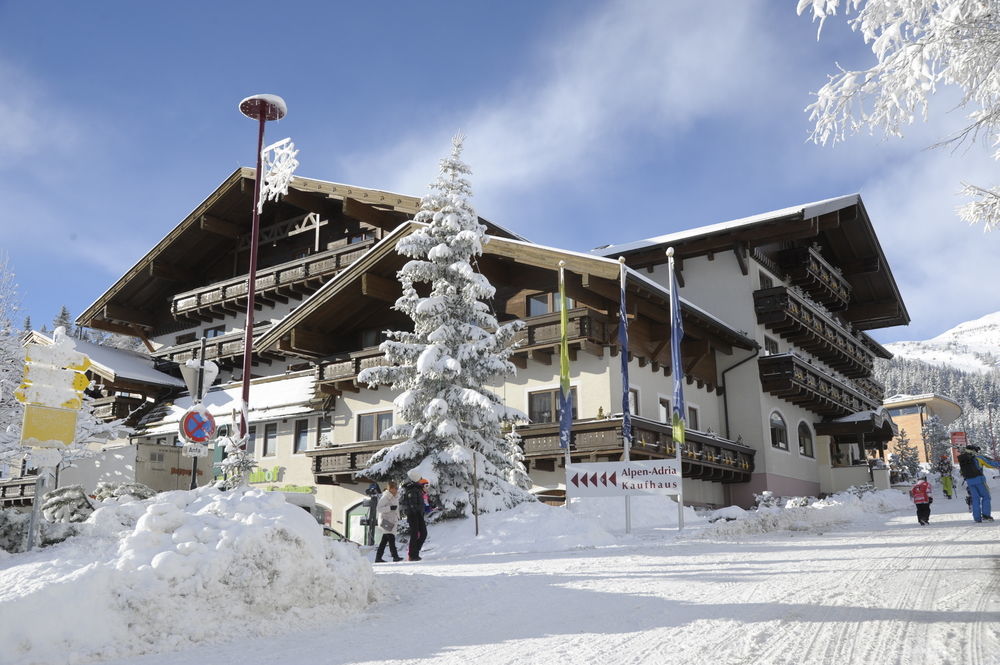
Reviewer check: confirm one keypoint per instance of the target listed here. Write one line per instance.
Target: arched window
(805, 441)
(779, 432)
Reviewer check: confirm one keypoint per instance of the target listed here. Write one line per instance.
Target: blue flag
(676, 335)
(623, 349)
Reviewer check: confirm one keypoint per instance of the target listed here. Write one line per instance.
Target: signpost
(624, 478)
(52, 393)
(197, 425)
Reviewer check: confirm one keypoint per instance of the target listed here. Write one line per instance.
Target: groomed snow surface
(207, 577)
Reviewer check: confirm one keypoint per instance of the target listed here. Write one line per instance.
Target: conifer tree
(11, 364)
(905, 459)
(442, 367)
(937, 439)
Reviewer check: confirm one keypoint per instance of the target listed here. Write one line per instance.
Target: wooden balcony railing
(298, 277)
(807, 268)
(791, 378)
(808, 327)
(223, 349)
(704, 456)
(17, 492)
(870, 387)
(586, 327)
(116, 407)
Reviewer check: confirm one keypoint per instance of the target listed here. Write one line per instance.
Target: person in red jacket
(921, 495)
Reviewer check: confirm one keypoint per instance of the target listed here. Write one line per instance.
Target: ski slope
(879, 589)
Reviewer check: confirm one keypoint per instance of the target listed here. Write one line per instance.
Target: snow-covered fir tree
(904, 459)
(920, 46)
(11, 364)
(67, 504)
(937, 439)
(443, 366)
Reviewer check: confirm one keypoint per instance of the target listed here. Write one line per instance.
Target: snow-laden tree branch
(441, 368)
(919, 46)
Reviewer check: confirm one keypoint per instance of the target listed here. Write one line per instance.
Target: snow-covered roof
(118, 364)
(805, 210)
(269, 399)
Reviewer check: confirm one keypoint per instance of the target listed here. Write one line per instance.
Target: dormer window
(546, 303)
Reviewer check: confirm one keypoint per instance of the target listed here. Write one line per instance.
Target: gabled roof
(352, 281)
(210, 229)
(117, 365)
(840, 226)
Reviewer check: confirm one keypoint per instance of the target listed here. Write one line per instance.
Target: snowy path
(884, 592)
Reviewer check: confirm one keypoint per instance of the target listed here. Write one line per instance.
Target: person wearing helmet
(412, 505)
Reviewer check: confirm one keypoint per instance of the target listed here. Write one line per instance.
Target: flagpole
(626, 424)
(677, 431)
(565, 395)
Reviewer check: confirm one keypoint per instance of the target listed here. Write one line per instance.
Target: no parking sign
(197, 425)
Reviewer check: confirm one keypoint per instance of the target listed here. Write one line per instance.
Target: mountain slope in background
(960, 363)
(973, 346)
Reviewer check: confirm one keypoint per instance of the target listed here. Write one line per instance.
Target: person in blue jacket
(972, 471)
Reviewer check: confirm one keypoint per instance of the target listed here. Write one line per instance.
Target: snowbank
(180, 568)
(803, 514)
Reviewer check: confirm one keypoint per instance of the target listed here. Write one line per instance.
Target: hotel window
(322, 430)
(666, 415)
(692, 421)
(543, 406)
(765, 281)
(633, 401)
(779, 433)
(372, 337)
(186, 338)
(301, 436)
(546, 303)
(252, 439)
(805, 441)
(372, 425)
(360, 237)
(216, 331)
(770, 346)
(270, 439)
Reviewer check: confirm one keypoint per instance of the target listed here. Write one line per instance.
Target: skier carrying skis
(972, 471)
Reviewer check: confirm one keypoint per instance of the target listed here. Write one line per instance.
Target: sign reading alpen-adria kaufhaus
(624, 478)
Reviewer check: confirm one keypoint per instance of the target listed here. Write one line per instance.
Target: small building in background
(911, 412)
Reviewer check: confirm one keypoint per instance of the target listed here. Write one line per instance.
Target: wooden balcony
(870, 387)
(794, 380)
(226, 350)
(118, 407)
(794, 318)
(704, 456)
(332, 466)
(807, 268)
(17, 492)
(586, 329)
(296, 278)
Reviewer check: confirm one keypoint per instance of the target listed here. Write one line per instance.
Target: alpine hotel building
(776, 359)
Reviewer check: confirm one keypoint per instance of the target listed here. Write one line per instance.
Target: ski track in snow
(888, 593)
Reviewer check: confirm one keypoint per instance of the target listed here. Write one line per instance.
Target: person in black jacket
(972, 471)
(412, 504)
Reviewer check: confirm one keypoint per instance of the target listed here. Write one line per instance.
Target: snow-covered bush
(67, 504)
(14, 531)
(136, 491)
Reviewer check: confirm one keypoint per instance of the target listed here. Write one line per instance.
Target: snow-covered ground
(841, 582)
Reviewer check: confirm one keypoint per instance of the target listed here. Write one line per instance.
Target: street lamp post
(260, 108)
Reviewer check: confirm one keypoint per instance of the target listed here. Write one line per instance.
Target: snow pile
(806, 514)
(183, 567)
(648, 511)
(527, 527)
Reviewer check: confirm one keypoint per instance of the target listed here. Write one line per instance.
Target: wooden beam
(168, 271)
(543, 356)
(369, 214)
(740, 250)
(862, 266)
(310, 342)
(128, 315)
(141, 334)
(219, 227)
(380, 288)
(319, 204)
(519, 361)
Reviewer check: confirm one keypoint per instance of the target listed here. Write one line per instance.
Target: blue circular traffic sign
(197, 426)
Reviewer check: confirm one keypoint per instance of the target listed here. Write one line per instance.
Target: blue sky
(588, 123)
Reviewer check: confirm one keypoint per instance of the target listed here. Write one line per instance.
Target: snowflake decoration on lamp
(279, 165)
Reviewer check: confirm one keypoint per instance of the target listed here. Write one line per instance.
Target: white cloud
(32, 124)
(646, 67)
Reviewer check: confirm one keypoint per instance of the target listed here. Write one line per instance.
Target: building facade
(776, 361)
(911, 413)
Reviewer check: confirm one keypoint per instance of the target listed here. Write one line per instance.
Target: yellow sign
(54, 377)
(45, 423)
